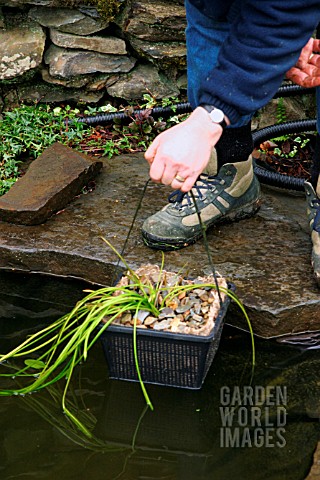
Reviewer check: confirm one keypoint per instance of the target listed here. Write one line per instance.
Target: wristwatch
(216, 115)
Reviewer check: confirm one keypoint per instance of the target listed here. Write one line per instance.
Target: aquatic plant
(53, 353)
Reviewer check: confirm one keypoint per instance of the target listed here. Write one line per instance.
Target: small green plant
(99, 109)
(53, 353)
(149, 101)
(26, 131)
(133, 135)
(288, 150)
(281, 113)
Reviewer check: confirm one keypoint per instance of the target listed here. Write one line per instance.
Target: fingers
(310, 82)
(316, 45)
(162, 170)
(305, 54)
(314, 60)
(176, 184)
(177, 181)
(309, 71)
(308, 77)
(309, 57)
(152, 151)
(297, 76)
(188, 184)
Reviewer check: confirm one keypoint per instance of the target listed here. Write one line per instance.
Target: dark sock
(315, 169)
(235, 145)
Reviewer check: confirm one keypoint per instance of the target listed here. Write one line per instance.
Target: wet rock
(68, 63)
(272, 273)
(74, 82)
(166, 55)
(303, 341)
(88, 10)
(46, 93)
(22, 46)
(94, 83)
(154, 20)
(111, 45)
(67, 20)
(140, 80)
(49, 184)
(101, 82)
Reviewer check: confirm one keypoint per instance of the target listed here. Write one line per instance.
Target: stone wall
(55, 51)
(100, 50)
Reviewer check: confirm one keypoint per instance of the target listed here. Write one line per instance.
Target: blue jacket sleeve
(264, 43)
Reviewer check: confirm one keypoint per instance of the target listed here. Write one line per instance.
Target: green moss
(67, 3)
(108, 9)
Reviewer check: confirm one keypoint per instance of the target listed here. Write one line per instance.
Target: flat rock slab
(267, 257)
(50, 183)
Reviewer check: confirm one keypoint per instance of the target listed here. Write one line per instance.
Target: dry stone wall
(71, 50)
(53, 51)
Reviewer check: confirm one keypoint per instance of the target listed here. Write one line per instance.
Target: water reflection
(180, 439)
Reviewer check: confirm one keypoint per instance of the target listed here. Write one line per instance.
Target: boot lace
(204, 184)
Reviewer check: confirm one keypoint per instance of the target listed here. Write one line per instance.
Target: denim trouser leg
(204, 39)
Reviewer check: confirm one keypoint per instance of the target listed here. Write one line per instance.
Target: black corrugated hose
(265, 176)
(179, 108)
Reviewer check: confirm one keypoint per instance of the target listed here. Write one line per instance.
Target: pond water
(202, 434)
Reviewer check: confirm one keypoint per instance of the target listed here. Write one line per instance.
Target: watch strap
(209, 109)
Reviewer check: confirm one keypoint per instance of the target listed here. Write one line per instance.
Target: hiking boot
(313, 211)
(232, 194)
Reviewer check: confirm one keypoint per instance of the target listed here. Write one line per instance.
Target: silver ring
(179, 179)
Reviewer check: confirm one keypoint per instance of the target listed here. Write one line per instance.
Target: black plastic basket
(165, 358)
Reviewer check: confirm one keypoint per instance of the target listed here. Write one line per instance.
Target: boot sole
(158, 243)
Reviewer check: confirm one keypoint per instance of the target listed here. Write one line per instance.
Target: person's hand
(178, 155)
(306, 72)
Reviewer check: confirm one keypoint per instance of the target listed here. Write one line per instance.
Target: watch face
(217, 115)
